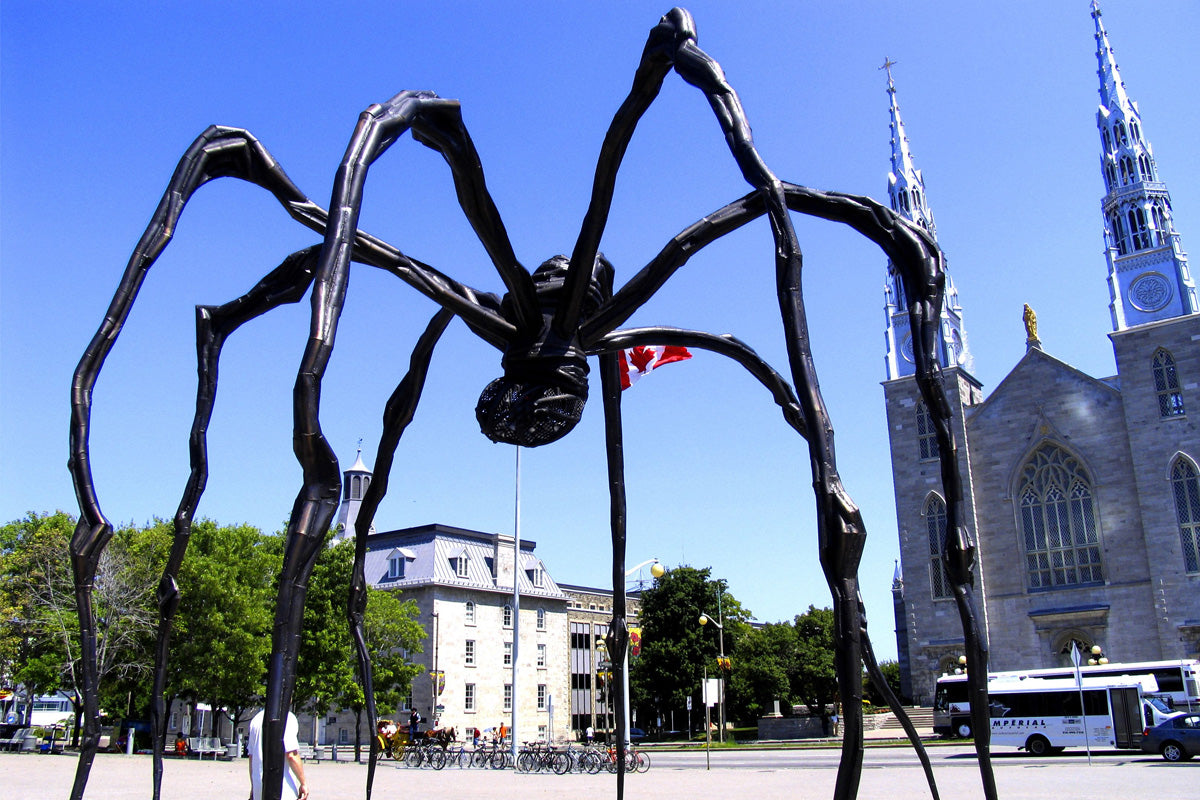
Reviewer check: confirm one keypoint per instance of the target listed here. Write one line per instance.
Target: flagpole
(516, 598)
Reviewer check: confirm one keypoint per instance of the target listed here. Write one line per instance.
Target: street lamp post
(720, 623)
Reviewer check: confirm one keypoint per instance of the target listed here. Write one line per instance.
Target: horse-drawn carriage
(392, 740)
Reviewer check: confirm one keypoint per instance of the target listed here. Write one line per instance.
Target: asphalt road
(892, 773)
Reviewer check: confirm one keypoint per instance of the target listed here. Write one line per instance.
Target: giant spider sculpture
(547, 326)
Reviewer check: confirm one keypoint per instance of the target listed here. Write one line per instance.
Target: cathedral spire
(906, 190)
(1148, 278)
(906, 187)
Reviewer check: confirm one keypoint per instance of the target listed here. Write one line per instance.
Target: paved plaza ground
(673, 776)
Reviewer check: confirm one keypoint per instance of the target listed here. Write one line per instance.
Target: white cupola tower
(906, 190)
(1148, 277)
(354, 487)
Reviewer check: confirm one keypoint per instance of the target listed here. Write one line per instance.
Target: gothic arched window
(1145, 167)
(1119, 134)
(1118, 234)
(1107, 142)
(1166, 384)
(1138, 231)
(1058, 520)
(1127, 174)
(926, 438)
(1135, 130)
(1159, 217)
(1186, 484)
(935, 526)
(1110, 176)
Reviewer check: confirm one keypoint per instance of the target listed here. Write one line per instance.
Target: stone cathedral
(1082, 493)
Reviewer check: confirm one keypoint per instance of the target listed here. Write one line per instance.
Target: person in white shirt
(294, 785)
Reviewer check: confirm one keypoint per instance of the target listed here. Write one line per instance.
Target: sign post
(1075, 659)
(712, 695)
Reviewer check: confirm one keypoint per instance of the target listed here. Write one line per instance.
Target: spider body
(541, 396)
(547, 325)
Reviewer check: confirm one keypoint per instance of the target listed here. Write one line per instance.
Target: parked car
(636, 734)
(1177, 739)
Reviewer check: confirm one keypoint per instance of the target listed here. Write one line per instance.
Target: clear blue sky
(999, 99)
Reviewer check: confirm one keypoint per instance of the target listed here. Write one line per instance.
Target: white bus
(1178, 688)
(1043, 716)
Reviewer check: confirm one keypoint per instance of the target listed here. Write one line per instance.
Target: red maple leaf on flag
(638, 361)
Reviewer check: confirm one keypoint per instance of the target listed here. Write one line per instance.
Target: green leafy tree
(31, 553)
(676, 649)
(891, 674)
(221, 638)
(760, 671)
(812, 675)
(325, 669)
(39, 586)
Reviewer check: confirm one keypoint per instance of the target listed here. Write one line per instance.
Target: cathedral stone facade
(1081, 493)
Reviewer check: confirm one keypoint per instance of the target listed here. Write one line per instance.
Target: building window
(508, 650)
(542, 733)
(1145, 168)
(926, 436)
(469, 612)
(1058, 521)
(1119, 134)
(508, 697)
(1187, 509)
(1118, 234)
(541, 619)
(395, 567)
(469, 653)
(508, 619)
(460, 566)
(1162, 235)
(935, 525)
(1166, 384)
(541, 655)
(1138, 231)
(1127, 173)
(541, 697)
(469, 698)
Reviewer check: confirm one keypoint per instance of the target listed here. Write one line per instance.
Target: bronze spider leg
(917, 258)
(919, 262)
(397, 414)
(216, 153)
(436, 123)
(783, 396)
(672, 44)
(286, 284)
(617, 639)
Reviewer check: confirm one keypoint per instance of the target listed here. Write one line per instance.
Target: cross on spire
(888, 64)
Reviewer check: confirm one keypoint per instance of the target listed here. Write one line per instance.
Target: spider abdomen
(540, 397)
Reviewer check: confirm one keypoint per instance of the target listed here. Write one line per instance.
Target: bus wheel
(1038, 746)
(963, 729)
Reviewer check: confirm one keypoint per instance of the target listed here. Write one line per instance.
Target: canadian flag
(638, 361)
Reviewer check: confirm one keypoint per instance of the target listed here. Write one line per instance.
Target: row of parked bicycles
(532, 757)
